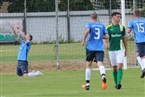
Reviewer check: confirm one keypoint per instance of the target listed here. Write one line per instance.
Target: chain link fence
(38, 17)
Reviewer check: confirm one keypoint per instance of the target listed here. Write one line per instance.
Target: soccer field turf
(68, 84)
(43, 52)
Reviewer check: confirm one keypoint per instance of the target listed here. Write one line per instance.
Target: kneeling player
(22, 66)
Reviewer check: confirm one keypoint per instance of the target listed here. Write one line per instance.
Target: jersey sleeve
(130, 25)
(29, 45)
(88, 25)
(108, 27)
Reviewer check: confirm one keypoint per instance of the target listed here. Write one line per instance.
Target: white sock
(143, 62)
(87, 84)
(35, 73)
(140, 62)
(102, 70)
(88, 73)
(31, 74)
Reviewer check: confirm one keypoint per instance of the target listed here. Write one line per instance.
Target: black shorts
(94, 56)
(22, 67)
(141, 49)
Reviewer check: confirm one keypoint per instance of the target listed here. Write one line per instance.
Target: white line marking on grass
(134, 67)
(98, 68)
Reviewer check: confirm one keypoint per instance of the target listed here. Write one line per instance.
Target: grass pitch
(46, 52)
(43, 52)
(68, 84)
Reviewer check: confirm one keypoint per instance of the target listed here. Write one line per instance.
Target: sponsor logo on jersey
(97, 26)
(115, 35)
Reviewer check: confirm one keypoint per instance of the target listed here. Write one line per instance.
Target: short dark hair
(31, 37)
(137, 13)
(93, 16)
(115, 13)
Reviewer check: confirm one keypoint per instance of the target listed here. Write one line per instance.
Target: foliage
(47, 5)
(75, 5)
(143, 11)
(32, 5)
(1, 2)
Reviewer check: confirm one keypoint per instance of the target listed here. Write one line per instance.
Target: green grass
(68, 84)
(44, 52)
(64, 83)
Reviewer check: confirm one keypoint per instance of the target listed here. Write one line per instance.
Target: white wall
(42, 25)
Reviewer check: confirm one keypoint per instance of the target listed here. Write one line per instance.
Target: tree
(41, 5)
(47, 5)
(1, 3)
(16, 5)
(143, 11)
(32, 5)
(75, 5)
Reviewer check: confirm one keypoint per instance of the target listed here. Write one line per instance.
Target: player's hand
(137, 54)
(17, 27)
(106, 46)
(12, 27)
(83, 43)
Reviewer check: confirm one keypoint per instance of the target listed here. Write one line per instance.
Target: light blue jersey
(138, 26)
(95, 36)
(24, 50)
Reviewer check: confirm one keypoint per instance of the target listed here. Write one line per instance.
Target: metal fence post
(68, 21)
(57, 37)
(25, 17)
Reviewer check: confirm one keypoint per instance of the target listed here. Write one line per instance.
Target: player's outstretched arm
(85, 36)
(14, 30)
(22, 33)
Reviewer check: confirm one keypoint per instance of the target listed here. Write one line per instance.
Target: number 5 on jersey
(97, 33)
(140, 27)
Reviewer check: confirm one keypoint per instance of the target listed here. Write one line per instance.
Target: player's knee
(100, 63)
(143, 57)
(19, 74)
(120, 66)
(115, 68)
(89, 64)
